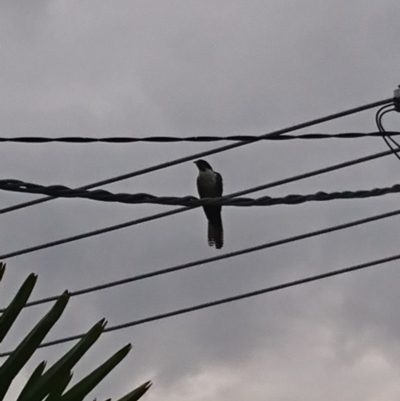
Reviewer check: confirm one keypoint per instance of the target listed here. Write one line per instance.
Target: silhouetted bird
(209, 185)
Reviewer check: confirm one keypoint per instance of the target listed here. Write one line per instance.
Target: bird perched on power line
(209, 185)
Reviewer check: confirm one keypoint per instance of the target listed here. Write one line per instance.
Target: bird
(209, 185)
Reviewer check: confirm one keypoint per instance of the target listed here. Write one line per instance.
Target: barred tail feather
(215, 235)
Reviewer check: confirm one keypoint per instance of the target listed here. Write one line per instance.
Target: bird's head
(202, 165)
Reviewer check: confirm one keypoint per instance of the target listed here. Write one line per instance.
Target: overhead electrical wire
(209, 152)
(228, 255)
(61, 191)
(222, 301)
(88, 234)
(195, 139)
(387, 137)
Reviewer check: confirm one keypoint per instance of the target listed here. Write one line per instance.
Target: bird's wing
(219, 184)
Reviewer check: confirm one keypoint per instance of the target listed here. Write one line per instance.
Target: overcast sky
(224, 67)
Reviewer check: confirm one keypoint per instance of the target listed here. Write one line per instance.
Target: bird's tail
(216, 233)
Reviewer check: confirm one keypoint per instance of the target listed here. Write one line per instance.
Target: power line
(195, 139)
(183, 209)
(222, 301)
(386, 135)
(209, 152)
(143, 198)
(228, 255)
